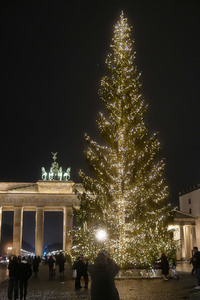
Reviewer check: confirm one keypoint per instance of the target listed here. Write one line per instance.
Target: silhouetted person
(196, 259)
(103, 273)
(192, 262)
(25, 273)
(13, 268)
(164, 266)
(61, 262)
(36, 262)
(51, 262)
(79, 267)
(85, 272)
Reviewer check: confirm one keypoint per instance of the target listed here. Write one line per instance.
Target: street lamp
(101, 235)
(9, 249)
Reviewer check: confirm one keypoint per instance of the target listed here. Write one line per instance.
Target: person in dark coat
(51, 262)
(79, 267)
(164, 266)
(192, 262)
(36, 262)
(25, 273)
(61, 263)
(196, 258)
(85, 272)
(13, 278)
(102, 274)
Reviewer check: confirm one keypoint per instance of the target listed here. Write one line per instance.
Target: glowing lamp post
(101, 236)
(9, 249)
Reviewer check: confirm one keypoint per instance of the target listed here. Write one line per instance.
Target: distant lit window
(190, 211)
(189, 201)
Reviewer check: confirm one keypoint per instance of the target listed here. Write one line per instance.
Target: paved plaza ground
(60, 288)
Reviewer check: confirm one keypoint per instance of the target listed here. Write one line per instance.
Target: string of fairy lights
(127, 194)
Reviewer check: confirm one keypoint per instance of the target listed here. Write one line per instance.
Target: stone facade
(185, 234)
(39, 197)
(189, 200)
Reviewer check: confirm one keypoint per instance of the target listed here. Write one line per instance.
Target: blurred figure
(13, 268)
(79, 267)
(85, 272)
(196, 259)
(30, 260)
(164, 266)
(103, 273)
(36, 262)
(61, 262)
(192, 262)
(52, 264)
(25, 273)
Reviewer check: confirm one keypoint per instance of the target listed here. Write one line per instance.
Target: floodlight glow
(101, 235)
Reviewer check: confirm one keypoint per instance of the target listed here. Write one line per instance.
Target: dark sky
(52, 58)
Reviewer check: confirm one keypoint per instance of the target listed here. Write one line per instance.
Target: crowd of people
(53, 260)
(102, 273)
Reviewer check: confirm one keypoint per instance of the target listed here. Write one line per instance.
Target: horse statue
(44, 174)
(60, 173)
(66, 175)
(51, 174)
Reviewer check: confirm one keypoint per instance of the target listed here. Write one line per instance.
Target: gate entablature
(44, 195)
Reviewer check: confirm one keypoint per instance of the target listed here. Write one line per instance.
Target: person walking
(79, 267)
(52, 263)
(164, 266)
(192, 262)
(85, 272)
(102, 274)
(13, 278)
(196, 260)
(61, 263)
(36, 263)
(25, 273)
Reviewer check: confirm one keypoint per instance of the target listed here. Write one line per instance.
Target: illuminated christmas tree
(127, 194)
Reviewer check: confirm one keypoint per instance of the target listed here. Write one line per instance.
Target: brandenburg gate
(55, 192)
(48, 195)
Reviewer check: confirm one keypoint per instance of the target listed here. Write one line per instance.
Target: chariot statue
(56, 172)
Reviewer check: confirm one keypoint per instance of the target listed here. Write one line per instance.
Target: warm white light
(101, 235)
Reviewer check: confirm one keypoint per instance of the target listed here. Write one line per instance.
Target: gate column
(67, 226)
(39, 230)
(17, 230)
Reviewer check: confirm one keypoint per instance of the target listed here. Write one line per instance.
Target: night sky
(52, 59)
